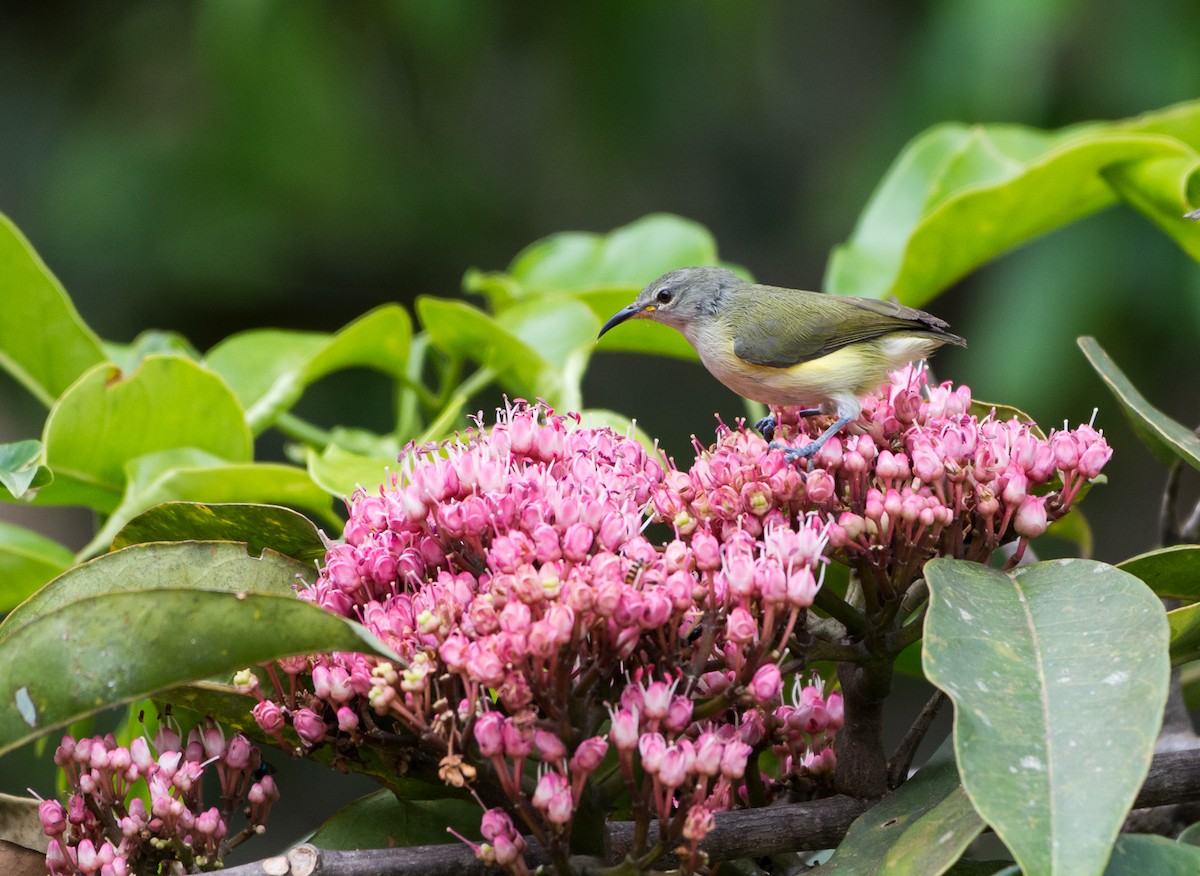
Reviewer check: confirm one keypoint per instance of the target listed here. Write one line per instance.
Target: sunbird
(789, 347)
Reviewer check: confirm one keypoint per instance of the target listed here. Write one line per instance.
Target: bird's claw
(766, 426)
(793, 454)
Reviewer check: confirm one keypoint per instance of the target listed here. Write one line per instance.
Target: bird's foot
(794, 454)
(766, 426)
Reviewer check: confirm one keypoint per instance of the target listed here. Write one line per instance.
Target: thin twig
(902, 760)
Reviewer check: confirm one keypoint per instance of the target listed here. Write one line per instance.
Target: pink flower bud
(552, 797)
(624, 730)
(489, 734)
(1030, 520)
(1094, 458)
(679, 714)
(740, 626)
(766, 684)
(734, 757)
(308, 726)
(53, 816)
(652, 747)
(269, 717)
(589, 755)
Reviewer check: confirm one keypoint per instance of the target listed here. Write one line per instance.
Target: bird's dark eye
(664, 296)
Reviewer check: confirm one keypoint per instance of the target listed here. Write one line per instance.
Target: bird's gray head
(680, 298)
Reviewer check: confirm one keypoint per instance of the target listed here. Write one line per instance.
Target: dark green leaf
(193, 476)
(106, 419)
(1185, 634)
(922, 828)
(416, 814)
(628, 258)
(27, 561)
(960, 195)
(93, 653)
(1034, 661)
(44, 343)
(21, 469)
(1170, 572)
(269, 369)
(1166, 438)
(1142, 855)
(202, 565)
(258, 526)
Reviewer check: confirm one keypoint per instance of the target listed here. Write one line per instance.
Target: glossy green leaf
(922, 828)
(189, 475)
(959, 195)
(1163, 190)
(340, 472)
(1190, 835)
(151, 342)
(269, 369)
(415, 814)
(21, 469)
(1034, 661)
(1142, 855)
(44, 343)
(1170, 572)
(627, 258)
(461, 330)
(200, 565)
(259, 527)
(27, 561)
(1185, 634)
(107, 419)
(1166, 438)
(93, 653)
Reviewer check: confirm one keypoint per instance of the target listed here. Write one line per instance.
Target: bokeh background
(215, 166)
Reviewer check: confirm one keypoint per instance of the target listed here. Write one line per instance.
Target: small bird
(788, 347)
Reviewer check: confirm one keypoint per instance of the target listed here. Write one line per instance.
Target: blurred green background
(211, 167)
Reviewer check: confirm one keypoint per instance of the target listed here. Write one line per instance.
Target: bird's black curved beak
(619, 317)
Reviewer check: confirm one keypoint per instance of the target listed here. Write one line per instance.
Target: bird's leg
(791, 454)
(766, 426)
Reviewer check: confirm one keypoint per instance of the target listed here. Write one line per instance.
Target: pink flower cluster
(509, 571)
(102, 832)
(917, 475)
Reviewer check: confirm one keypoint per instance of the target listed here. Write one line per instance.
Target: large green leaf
(189, 475)
(626, 258)
(1166, 438)
(150, 617)
(922, 828)
(1171, 571)
(465, 331)
(1141, 855)
(106, 419)
(259, 527)
(27, 561)
(202, 565)
(413, 814)
(21, 469)
(269, 369)
(90, 654)
(959, 195)
(340, 472)
(44, 343)
(1185, 634)
(1058, 672)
